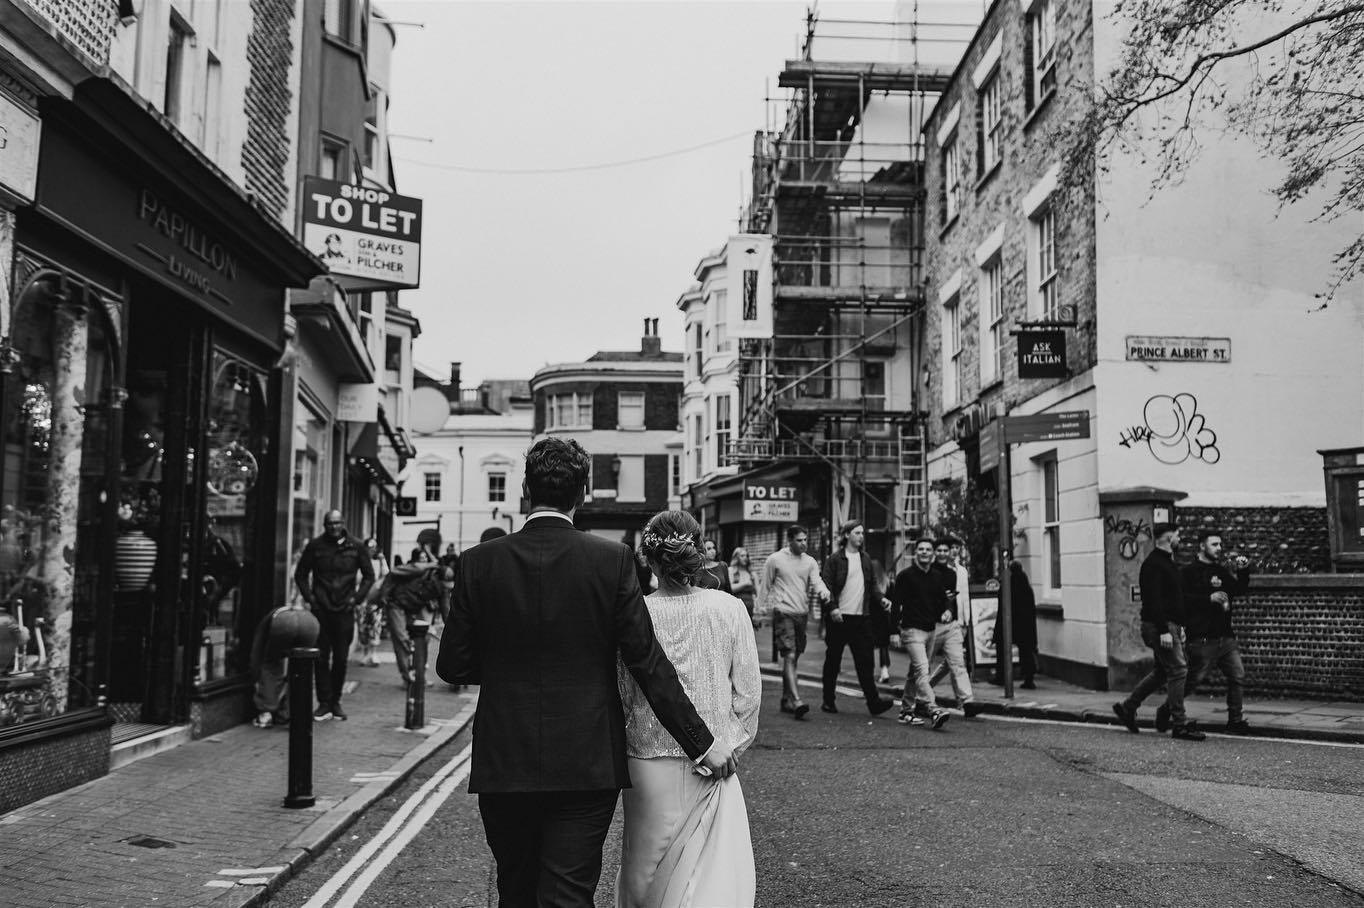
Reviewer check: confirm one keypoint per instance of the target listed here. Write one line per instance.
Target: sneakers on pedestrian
(1238, 727)
(338, 712)
(828, 707)
(1128, 716)
(885, 674)
(1187, 732)
(910, 719)
(322, 713)
(1162, 718)
(799, 710)
(970, 709)
(938, 718)
(880, 707)
(264, 720)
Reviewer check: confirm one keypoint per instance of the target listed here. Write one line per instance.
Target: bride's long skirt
(686, 841)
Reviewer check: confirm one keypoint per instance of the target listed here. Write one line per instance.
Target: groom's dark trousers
(537, 620)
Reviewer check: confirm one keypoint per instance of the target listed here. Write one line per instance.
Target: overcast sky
(520, 270)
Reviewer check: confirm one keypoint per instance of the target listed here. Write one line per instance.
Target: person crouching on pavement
(412, 592)
(921, 600)
(1208, 590)
(1162, 620)
(851, 579)
(788, 575)
(277, 634)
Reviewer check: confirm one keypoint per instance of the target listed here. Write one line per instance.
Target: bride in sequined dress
(686, 842)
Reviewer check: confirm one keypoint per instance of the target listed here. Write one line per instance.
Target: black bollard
(416, 688)
(301, 666)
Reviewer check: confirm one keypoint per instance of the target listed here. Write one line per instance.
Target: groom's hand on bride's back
(720, 760)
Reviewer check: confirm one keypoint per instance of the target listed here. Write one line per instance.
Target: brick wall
(1301, 637)
(1276, 540)
(269, 92)
(1027, 143)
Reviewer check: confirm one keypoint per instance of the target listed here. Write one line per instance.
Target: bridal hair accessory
(653, 540)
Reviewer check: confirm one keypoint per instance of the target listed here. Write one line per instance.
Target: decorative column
(71, 338)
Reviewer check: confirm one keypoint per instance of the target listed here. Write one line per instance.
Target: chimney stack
(453, 394)
(651, 344)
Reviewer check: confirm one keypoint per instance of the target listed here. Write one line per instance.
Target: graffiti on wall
(1130, 533)
(1173, 431)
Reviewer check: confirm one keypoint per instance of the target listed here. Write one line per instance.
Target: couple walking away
(587, 689)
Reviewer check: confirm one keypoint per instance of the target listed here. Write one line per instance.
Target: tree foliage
(1289, 74)
(972, 515)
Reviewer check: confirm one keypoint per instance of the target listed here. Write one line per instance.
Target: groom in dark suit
(537, 620)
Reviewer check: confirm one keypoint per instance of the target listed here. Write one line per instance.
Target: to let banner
(363, 232)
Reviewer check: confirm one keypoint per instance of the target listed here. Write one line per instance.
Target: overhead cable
(522, 171)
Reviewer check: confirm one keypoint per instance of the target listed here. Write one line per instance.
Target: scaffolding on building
(838, 185)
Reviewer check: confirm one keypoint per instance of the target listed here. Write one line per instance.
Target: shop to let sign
(362, 232)
(774, 501)
(1141, 348)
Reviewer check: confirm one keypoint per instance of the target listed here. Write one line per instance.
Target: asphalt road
(847, 810)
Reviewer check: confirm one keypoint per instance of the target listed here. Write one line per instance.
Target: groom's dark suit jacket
(537, 620)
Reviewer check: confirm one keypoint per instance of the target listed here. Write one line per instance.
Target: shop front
(138, 394)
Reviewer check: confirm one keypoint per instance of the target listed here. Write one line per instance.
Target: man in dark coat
(1162, 629)
(327, 575)
(853, 599)
(538, 620)
(1209, 588)
(1023, 611)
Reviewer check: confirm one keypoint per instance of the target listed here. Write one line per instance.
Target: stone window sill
(988, 175)
(1036, 112)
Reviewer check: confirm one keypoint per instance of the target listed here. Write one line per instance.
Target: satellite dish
(430, 410)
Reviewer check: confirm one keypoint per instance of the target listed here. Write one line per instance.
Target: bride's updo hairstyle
(671, 541)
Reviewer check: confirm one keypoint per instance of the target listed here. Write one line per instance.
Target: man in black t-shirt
(1208, 590)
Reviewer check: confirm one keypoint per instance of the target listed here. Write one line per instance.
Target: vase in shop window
(134, 560)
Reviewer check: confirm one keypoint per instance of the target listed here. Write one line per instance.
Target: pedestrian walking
(853, 598)
(788, 575)
(713, 574)
(686, 839)
(334, 573)
(742, 583)
(538, 620)
(412, 592)
(1023, 611)
(1162, 619)
(369, 619)
(921, 600)
(881, 623)
(1209, 592)
(951, 643)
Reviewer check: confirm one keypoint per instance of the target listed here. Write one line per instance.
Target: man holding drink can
(1209, 587)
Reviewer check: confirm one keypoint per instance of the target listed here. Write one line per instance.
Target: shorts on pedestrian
(789, 631)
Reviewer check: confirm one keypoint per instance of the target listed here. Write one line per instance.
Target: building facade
(1183, 317)
(623, 407)
(144, 277)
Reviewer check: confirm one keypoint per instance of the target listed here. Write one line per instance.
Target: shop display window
(311, 457)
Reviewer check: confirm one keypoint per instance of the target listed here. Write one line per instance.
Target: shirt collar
(560, 514)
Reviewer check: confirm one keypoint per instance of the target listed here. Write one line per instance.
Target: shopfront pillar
(71, 348)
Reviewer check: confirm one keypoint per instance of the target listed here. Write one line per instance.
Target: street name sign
(1141, 348)
(1046, 427)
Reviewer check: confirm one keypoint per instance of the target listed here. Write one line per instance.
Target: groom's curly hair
(556, 473)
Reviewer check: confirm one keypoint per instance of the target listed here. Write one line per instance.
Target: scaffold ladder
(913, 479)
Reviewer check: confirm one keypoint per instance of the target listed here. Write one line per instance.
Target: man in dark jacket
(327, 575)
(1208, 591)
(539, 620)
(921, 600)
(1162, 619)
(853, 598)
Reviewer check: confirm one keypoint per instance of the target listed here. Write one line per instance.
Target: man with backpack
(411, 592)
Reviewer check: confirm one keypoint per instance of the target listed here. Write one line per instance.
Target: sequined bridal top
(708, 637)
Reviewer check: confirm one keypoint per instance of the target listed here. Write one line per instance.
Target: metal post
(1005, 618)
(416, 687)
(301, 666)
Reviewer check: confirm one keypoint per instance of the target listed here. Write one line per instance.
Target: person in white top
(686, 841)
(788, 575)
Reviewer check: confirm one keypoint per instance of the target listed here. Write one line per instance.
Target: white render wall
(1216, 256)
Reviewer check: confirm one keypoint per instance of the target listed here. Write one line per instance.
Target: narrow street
(847, 810)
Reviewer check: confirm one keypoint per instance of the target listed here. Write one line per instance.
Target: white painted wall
(1216, 256)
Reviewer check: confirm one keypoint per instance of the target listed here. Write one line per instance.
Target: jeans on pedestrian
(949, 642)
(853, 631)
(1225, 653)
(272, 689)
(336, 630)
(918, 642)
(397, 620)
(1170, 670)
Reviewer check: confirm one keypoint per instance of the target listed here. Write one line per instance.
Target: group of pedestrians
(1186, 621)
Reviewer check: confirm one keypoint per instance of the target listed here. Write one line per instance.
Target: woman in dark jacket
(714, 575)
(1024, 612)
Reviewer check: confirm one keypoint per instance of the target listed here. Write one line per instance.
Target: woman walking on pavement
(713, 575)
(741, 580)
(369, 619)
